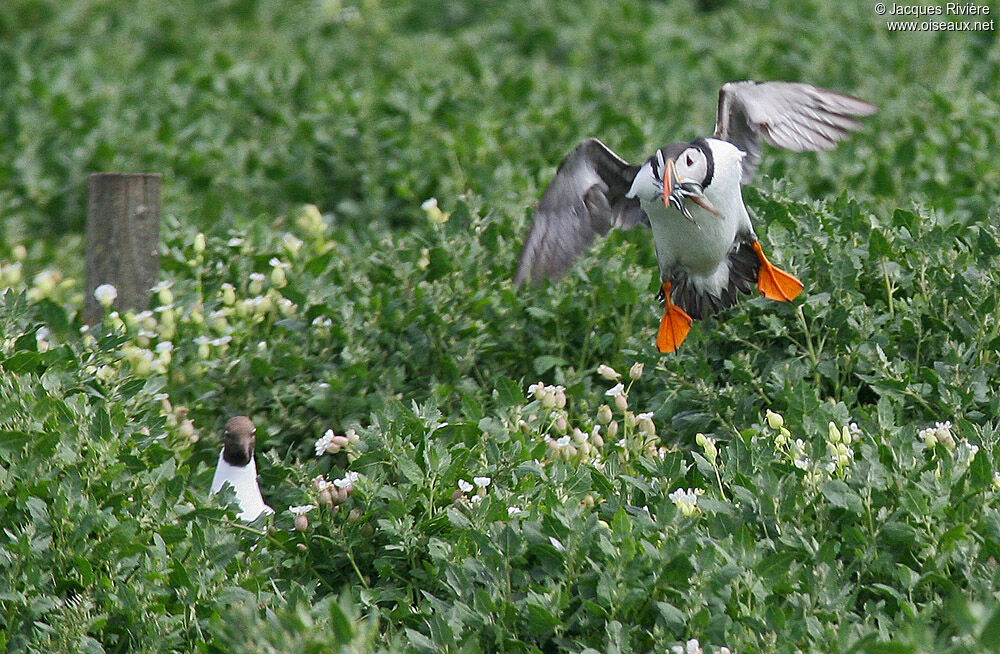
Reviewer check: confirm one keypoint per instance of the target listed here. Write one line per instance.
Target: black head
(238, 439)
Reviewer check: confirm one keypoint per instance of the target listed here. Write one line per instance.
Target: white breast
(702, 247)
(244, 483)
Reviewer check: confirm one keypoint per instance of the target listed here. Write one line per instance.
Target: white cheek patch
(644, 184)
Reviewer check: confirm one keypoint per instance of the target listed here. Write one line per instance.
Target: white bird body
(701, 246)
(243, 480)
(238, 469)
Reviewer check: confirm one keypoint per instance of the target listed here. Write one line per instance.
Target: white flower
(686, 499)
(234, 242)
(349, 479)
(939, 433)
(537, 390)
(322, 322)
(465, 486)
(324, 442)
(275, 262)
(105, 294)
(476, 499)
(513, 511)
(434, 212)
(616, 390)
(164, 347)
(563, 441)
(481, 482)
(256, 283)
(690, 647)
(644, 416)
(301, 510)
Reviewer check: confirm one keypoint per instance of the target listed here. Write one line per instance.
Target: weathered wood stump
(123, 239)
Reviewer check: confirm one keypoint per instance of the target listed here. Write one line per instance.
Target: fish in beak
(676, 191)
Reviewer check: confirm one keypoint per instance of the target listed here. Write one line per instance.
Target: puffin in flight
(690, 194)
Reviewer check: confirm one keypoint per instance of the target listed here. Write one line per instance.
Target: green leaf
(990, 635)
(841, 495)
(508, 392)
(100, 426)
(21, 362)
(546, 362)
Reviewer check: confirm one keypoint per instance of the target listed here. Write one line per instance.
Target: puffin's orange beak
(669, 175)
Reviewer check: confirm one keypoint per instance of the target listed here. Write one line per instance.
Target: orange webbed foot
(674, 326)
(773, 282)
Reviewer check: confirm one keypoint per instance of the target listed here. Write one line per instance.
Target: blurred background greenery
(367, 108)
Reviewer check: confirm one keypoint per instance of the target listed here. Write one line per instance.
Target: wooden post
(123, 239)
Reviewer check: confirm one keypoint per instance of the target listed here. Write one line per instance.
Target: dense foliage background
(363, 173)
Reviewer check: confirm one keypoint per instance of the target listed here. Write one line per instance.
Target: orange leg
(773, 282)
(674, 326)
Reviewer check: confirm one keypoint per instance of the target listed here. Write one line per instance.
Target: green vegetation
(781, 484)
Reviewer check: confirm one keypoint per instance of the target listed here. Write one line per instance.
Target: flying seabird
(238, 468)
(707, 249)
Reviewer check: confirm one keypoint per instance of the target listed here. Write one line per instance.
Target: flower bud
(199, 243)
(301, 522)
(621, 401)
(604, 414)
(608, 372)
(278, 277)
(292, 244)
(228, 294)
(774, 420)
(635, 372)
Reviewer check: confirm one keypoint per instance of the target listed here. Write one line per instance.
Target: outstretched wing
(789, 115)
(586, 197)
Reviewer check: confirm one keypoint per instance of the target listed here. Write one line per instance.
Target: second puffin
(707, 250)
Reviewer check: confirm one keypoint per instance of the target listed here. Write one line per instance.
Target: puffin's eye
(691, 166)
